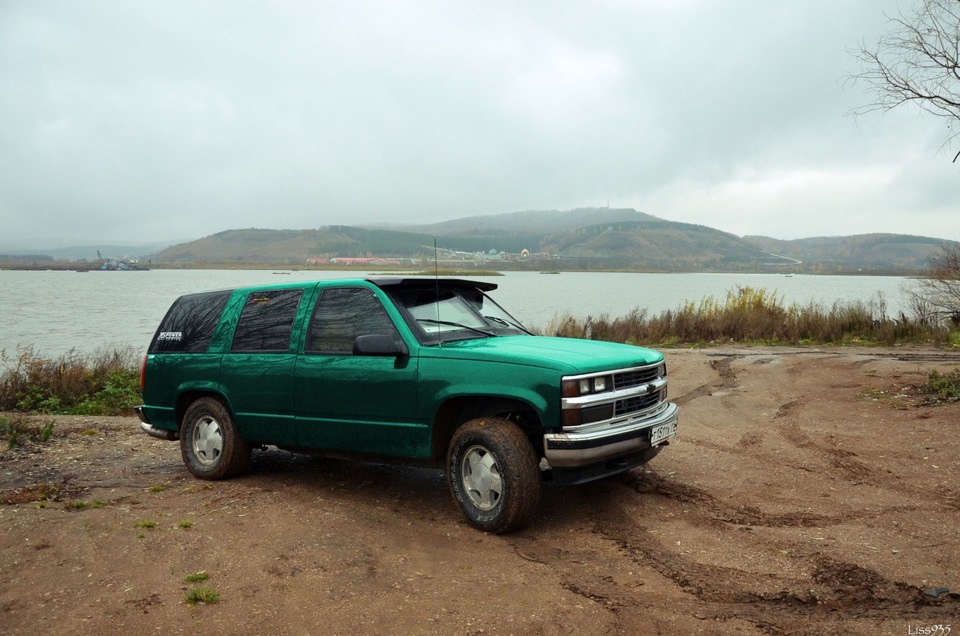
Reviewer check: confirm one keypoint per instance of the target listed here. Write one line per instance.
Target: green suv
(410, 369)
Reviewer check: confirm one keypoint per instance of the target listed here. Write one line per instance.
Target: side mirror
(378, 346)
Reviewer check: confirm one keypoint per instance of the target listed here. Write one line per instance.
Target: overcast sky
(146, 121)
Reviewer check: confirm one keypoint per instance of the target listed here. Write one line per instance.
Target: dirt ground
(808, 492)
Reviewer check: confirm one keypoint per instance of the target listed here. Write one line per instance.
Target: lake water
(55, 311)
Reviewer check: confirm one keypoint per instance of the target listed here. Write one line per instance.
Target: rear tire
(493, 474)
(210, 443)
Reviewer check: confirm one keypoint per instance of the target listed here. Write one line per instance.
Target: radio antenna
(436, 281)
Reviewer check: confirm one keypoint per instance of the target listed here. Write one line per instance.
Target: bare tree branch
(917, 62)
(937, 289)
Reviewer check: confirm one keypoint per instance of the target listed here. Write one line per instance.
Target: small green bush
(943, 387)
(120, 393)
(104, 383)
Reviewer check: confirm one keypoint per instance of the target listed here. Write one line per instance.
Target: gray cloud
(143, 121)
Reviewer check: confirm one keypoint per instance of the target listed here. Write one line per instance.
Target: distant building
(363, 260)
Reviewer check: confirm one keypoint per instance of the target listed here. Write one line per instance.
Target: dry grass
(758, 316)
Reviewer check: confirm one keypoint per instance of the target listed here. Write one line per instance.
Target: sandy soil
(809, 492)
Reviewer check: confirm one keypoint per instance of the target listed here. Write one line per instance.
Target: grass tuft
(78, 504)
(203, 594)
(196, 577)
(18, 431)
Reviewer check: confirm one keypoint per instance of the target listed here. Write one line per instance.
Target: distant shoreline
(463, 269)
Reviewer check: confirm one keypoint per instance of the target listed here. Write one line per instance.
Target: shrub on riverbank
(103, 383)
(750, 315)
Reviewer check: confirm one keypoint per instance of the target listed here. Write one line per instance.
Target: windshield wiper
(433, 321)
(507, 323)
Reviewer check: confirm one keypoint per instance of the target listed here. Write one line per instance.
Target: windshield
(460, 313)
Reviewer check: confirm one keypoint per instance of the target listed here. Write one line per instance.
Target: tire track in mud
(721, 363)
(598, 593)
(721, 513)
(717, 511)
(577, 573)
(842, 462)
(835, 591)
(845, 465)
(727, 380)
(778, 604)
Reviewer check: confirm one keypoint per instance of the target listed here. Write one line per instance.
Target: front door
(350, 402)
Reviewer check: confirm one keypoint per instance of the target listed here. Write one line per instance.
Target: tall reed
(748, 314)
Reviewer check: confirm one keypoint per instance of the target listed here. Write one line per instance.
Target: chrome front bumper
(581, 448)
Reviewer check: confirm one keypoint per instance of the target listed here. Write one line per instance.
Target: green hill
(867, 252)
(659, 244)
(585, 238)
(294, 246)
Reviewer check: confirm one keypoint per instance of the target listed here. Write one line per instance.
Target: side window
(267, 321)
(189, 325)
(343, 314)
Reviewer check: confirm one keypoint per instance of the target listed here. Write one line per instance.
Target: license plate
(662, 432)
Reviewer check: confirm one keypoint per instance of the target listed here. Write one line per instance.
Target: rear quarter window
(190, 323)
(266, 323)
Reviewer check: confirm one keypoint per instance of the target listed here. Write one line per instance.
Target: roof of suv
(431, 282)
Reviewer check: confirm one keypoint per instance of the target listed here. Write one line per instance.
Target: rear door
(256, 373)
(351, 402)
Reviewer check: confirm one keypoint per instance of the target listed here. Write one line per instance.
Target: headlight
(586, 386)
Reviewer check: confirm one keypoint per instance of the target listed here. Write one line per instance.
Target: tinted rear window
(267, 320)
(190, 323)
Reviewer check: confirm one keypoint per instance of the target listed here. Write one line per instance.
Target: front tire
(493, 474)
(210, 443)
